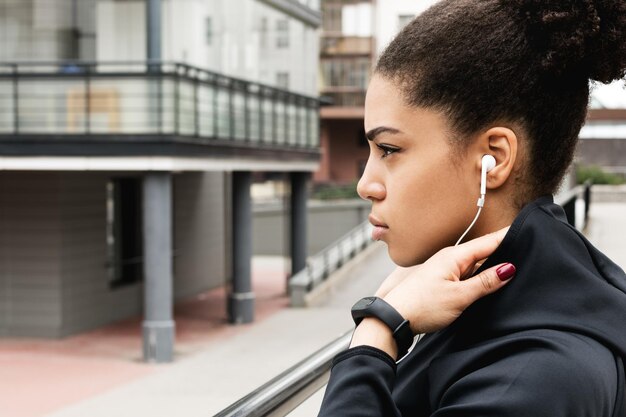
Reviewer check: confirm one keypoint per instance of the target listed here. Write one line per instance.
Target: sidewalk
(100, 373)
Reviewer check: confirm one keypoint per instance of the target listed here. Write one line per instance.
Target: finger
(488, 281)
(475, 250)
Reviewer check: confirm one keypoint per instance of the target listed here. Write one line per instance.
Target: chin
(418, 256)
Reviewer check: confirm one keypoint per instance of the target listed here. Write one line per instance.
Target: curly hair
(524, 62)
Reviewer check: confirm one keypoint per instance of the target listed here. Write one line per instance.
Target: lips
(380, 228)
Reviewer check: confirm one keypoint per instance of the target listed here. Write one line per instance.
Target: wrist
(373, 332)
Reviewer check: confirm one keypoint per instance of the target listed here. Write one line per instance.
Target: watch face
(363, 303)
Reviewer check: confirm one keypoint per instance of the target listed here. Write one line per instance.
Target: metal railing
(324, 263)
(151, 98)
(284, 393)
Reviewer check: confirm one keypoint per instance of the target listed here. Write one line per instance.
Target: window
(282, 33)
(124, 232)
(404, 20)
(208, 30)
(282, 80)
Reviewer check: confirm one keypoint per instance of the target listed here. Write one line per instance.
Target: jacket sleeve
(569, 379)
(361, 381)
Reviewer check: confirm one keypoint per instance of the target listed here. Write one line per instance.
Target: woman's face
(423, 201)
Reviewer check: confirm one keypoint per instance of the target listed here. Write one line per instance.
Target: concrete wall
(326, 223)
(199, 233)
(54, 278)
(607, 153)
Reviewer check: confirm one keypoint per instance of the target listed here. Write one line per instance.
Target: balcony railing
(151, 98)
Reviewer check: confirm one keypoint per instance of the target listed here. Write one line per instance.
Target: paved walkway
(100, 373)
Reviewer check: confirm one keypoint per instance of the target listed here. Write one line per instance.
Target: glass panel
(206, 110)
(254, 119)
(268, 119)
(118, 105)
(51, 105)
(7, 110)
(239, 114)
(292, 133)
(279, 133)
(223, 115)
(314, 123)
(186, 108)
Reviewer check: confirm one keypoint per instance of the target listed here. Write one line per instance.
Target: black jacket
(551, 343)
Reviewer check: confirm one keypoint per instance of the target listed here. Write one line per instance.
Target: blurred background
(178, 215)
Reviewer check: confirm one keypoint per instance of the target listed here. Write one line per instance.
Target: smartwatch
(379, 308)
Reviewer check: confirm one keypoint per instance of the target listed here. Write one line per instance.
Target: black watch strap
(379, 308)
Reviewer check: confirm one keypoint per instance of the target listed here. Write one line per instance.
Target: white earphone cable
(470, 226)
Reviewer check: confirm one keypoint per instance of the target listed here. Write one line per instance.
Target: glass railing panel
(126, 106)
(254, 119)
(314, 126)
(280, 122)
(239, 115)
(7, 107)
(292, 133)
(268, 121)
(167, 103)
(304, 129)
(206, 110)
(51, 105)
(223, 114)
(186, 108)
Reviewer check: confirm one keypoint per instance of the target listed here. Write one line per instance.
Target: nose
(369, 186)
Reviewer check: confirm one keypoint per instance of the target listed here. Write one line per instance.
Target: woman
(469, 78)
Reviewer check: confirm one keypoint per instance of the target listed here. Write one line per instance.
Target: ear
(502, 143)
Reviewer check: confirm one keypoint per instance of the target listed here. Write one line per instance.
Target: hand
(432, 295)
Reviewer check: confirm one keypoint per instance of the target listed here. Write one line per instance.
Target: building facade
(129, 133)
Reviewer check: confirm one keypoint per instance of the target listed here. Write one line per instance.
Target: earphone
(488, 162)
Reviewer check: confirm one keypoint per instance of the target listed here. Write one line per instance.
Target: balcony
(145, 108)
(337, 44)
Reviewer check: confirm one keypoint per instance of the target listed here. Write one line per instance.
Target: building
(129, 132)
(354, 34)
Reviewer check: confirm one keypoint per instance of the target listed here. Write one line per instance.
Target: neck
(495, 215)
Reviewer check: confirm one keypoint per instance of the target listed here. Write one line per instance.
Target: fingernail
(505, 272)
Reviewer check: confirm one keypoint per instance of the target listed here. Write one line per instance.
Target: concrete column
(158, 324)
(241, 298)
(298, 216)
(153, 27)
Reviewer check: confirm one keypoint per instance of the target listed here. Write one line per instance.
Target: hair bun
(578, 37)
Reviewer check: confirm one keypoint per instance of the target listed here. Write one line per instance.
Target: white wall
(387, 16)
(236, 47)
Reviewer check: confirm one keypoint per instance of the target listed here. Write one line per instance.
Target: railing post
(216, 111)
(16, 111)
(196, 110)
(246, 113)
(274, 136)
(87, 99)
(261, 99)
(176, 100)
(231, 111)
(587, 194)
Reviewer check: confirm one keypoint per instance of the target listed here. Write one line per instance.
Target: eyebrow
(371, 134)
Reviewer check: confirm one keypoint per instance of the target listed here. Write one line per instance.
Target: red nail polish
(505, 272)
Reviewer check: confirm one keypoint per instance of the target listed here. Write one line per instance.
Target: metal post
(298, 228)
(241, 299)
(261, 115)
(158, 324)
(246, 112)
(87, 100)
(16, 111)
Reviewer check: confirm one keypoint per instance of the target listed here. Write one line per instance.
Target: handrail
(327, 261)
(284, 393)
(289, 389)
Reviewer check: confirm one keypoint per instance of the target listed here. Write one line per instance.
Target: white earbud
(487, 164)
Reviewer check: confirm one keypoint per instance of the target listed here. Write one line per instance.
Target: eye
(386, 150)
